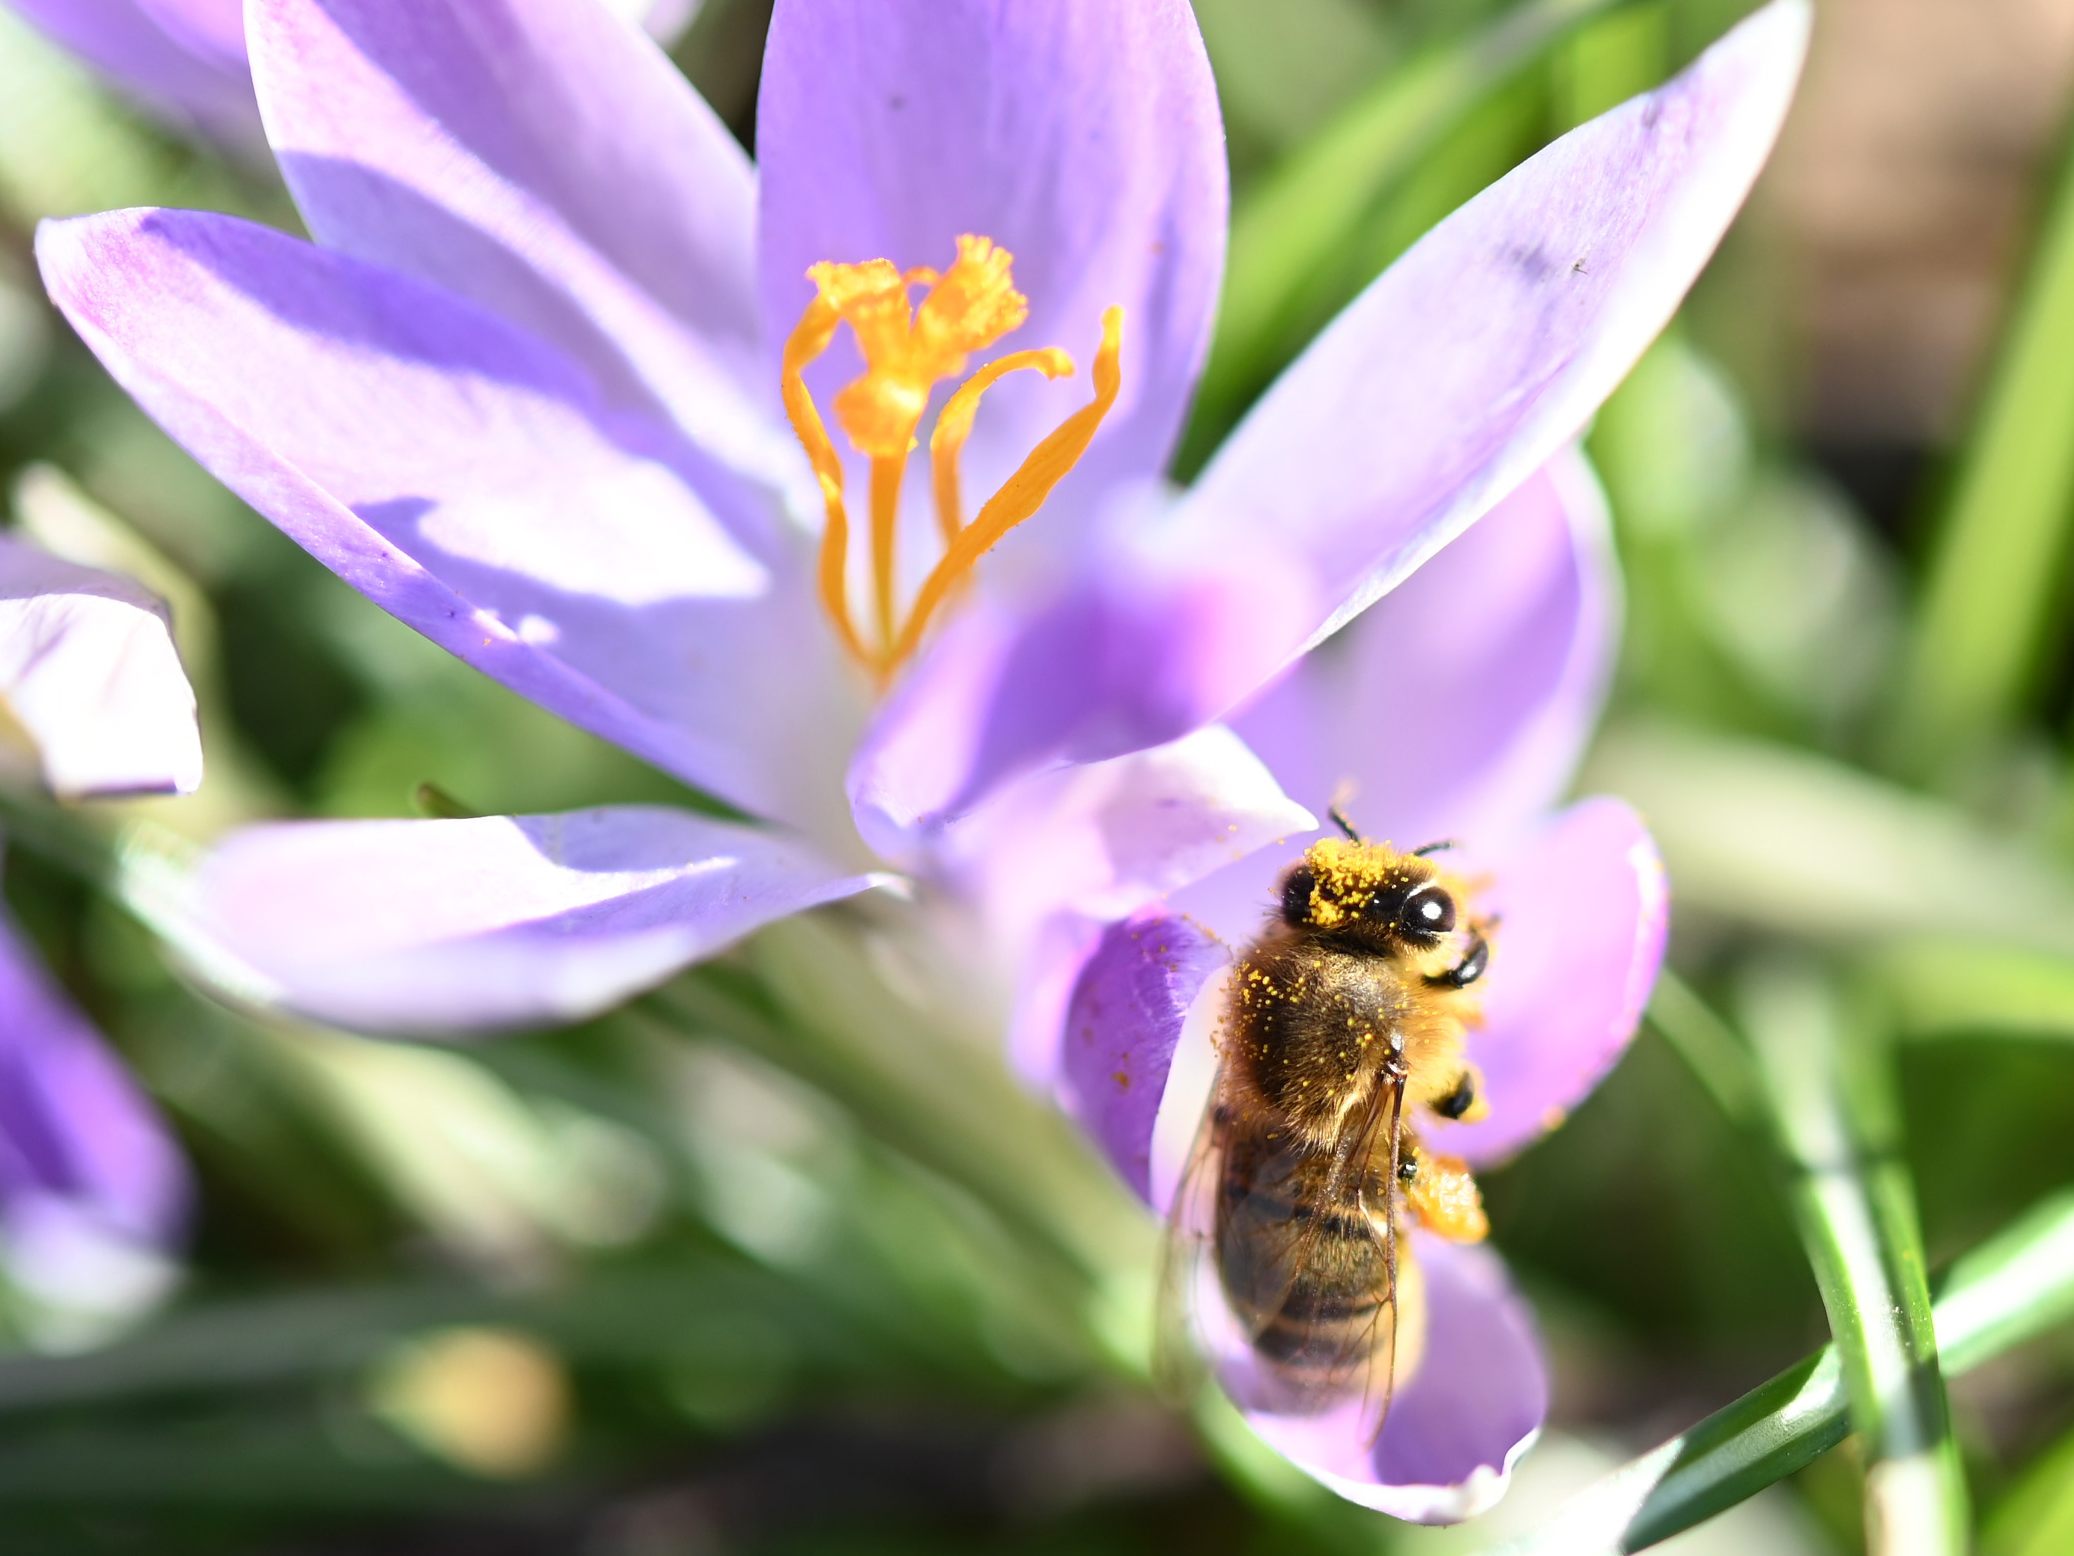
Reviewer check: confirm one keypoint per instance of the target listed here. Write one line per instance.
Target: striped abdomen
(1303, 1266)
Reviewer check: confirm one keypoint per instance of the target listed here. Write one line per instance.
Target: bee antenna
(1339, 819)
(1434, 848)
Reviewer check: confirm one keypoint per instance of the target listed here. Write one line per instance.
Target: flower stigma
(908, 349)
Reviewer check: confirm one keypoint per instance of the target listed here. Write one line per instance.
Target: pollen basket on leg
(909, 347)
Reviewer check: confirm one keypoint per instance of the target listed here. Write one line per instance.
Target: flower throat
(908, 349)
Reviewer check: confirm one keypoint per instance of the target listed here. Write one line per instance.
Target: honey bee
(1344, 1028)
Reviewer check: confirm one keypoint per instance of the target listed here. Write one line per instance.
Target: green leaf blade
(2012, 1289)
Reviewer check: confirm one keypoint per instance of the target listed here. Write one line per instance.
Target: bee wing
(1287, 1240)
(1379, 1379)
(1348, 1223)
(1181, 1344)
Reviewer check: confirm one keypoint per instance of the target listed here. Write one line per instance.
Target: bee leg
(1466, 1102)
(1470, 968)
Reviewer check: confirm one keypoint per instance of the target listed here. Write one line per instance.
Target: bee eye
(1460, 1100)
(1297, 887)
(1426, 913)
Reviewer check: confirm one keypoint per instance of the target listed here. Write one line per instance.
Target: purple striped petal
(88, 669)
(1082, 135)
(546, 159)
(85, 1161)
(465, 476)
(1585, 910)
(183, 58)
(1464, 369)
(1129, 1005)
(502, 921)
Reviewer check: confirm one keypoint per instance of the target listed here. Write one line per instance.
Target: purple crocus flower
(89, 1178)
(540, 387)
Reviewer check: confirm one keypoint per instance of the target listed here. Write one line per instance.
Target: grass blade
(1714, 1054)
(2001, 540)
(1829, 1092)
(2012, 1289)
(1802, 846)
(2008, 990)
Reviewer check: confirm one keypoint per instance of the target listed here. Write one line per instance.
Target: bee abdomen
(1252, 1206)
(1321, 1335)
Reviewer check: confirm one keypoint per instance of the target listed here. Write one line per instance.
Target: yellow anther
(973, 305)
(909, 348)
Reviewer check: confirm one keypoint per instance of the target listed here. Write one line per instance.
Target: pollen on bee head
(1347, 873)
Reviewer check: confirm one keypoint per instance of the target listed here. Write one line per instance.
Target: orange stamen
(809, 339)
(886, 471)
(1021, 495)
(954, 426)
(909, 348)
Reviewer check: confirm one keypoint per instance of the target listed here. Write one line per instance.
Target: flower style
(541, 385)
(89, 1179)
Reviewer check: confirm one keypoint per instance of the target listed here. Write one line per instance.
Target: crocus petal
(1460, 372)
(1129, 1005)
(500, 921)
(183, 58)
(464, 476)
(545, 158)
(999, 693)
(1457, 1426)
(1081, 135)
(85, 1161)
(1055, 860)
(1104, 840)
(88, 669)
(1477, 356)
(1460, 704)
(1584, 909)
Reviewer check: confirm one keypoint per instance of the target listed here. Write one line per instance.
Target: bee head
(1369, 894)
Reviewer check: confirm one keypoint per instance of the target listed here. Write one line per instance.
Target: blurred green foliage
(785, 1273)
